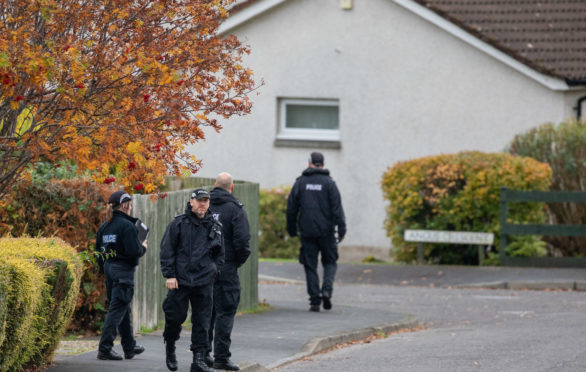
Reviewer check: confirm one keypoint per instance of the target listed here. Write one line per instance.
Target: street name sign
(450, 237)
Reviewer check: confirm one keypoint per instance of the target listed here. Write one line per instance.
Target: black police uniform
(236, 234)
(191, 252)
(119, 238)
(314, 205)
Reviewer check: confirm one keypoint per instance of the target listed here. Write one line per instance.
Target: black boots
(209, 360)
(314, 308)
(138, 349)
(326, 302)
(110, 355)
(199, 363)
(226, 365)
(171, 358)
(326, 298)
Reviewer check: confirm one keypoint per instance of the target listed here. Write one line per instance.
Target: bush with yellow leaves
(39, 285)
(460, 192)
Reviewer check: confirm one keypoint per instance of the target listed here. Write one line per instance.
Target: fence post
(503, 222)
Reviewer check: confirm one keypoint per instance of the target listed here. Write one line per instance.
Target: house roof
(546, 35)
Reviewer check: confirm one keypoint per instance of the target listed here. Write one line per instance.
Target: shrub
(274, 241)
(4, 287)
(563, 147)
(71, 209)
(23, 299)
(458, 192)
(43, 276)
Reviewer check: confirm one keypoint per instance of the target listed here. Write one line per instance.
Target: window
(309, 119)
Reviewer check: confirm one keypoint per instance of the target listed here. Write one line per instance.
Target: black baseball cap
(200, 194)
(118, 197)
(316, 158)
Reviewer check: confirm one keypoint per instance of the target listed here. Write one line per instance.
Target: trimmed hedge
(274, 242)
(459, 192)
(39, 282)
(4, 286)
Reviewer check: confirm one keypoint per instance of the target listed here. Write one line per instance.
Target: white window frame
(307, 134)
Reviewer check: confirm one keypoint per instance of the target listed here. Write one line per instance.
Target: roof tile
(547, 35)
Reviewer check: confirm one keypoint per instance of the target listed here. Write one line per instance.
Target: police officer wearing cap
(117, 239)
(314, 208)
(236, 233)
(192, 254)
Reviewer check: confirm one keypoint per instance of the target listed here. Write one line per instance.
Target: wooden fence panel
(248, 194)
(507, 228)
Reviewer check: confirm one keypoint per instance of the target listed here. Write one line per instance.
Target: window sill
(330, 144)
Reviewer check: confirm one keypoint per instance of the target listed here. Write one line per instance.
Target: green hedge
(274, 242)
(39, 282)
(4, 285)
(563, 147)
(459, 192)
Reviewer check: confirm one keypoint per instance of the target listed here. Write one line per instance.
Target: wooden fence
(150, 288)
(507, 228)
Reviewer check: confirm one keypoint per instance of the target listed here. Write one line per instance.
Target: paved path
(269, 339)
(289, 331)
(260, 341)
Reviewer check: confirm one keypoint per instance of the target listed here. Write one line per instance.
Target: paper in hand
(143, 231)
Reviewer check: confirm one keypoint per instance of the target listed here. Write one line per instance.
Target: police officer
(236, 234)
(117, 239)
(314, 205)
(191, 255)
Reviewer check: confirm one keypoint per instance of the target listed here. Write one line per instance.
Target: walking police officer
(314, 205)
(117, 239)
(191, 255)
(236, 234)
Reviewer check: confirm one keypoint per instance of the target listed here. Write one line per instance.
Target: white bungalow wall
(406, 89)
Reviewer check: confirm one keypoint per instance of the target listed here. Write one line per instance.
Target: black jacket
(191, 249)
(235, 229)
(120, 237)
(314, 205)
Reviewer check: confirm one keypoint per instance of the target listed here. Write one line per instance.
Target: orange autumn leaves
(122, 88)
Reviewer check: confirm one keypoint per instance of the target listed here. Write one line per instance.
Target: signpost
(449, 237)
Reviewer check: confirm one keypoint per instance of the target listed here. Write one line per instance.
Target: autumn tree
(119, 87)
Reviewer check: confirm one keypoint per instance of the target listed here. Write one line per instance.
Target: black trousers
(226, 300)
(175, 307)
(310, 248)
(120, 289)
